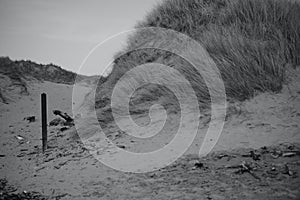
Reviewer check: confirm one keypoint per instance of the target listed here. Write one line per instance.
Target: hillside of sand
(268, 125)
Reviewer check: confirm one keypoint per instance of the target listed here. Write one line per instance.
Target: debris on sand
(66, 121)
(63, 128)
(244, 167)
(229, 157)
(65, 116)
(284, 150)
(121, 146)
(30, 119)
(56, 122)
(287, 170)
(253, 155)
(278, 154)
(8, 192)
(19, 137)
(290, 154)
(198, 165)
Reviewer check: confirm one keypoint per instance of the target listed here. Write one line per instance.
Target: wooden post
(44, 120)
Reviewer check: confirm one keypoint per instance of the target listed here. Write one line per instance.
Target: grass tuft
(251, 41)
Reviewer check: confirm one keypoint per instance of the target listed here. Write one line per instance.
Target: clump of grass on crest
(251, 41)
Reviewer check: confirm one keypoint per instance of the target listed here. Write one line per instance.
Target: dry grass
(251, 41)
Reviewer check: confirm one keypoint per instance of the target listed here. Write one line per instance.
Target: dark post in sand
(44, 120)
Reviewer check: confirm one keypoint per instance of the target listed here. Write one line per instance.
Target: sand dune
(68, 171)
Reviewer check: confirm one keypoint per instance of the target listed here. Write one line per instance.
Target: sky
(63, 32)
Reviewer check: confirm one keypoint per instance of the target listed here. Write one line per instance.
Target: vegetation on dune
(18, 71)
(16, 75)
(251, 41)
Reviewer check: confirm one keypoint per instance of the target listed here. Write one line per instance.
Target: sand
(68, 171)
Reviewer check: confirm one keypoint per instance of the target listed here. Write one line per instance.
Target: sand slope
(67, 170)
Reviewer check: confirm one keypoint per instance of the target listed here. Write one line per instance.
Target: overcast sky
(64, 31)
